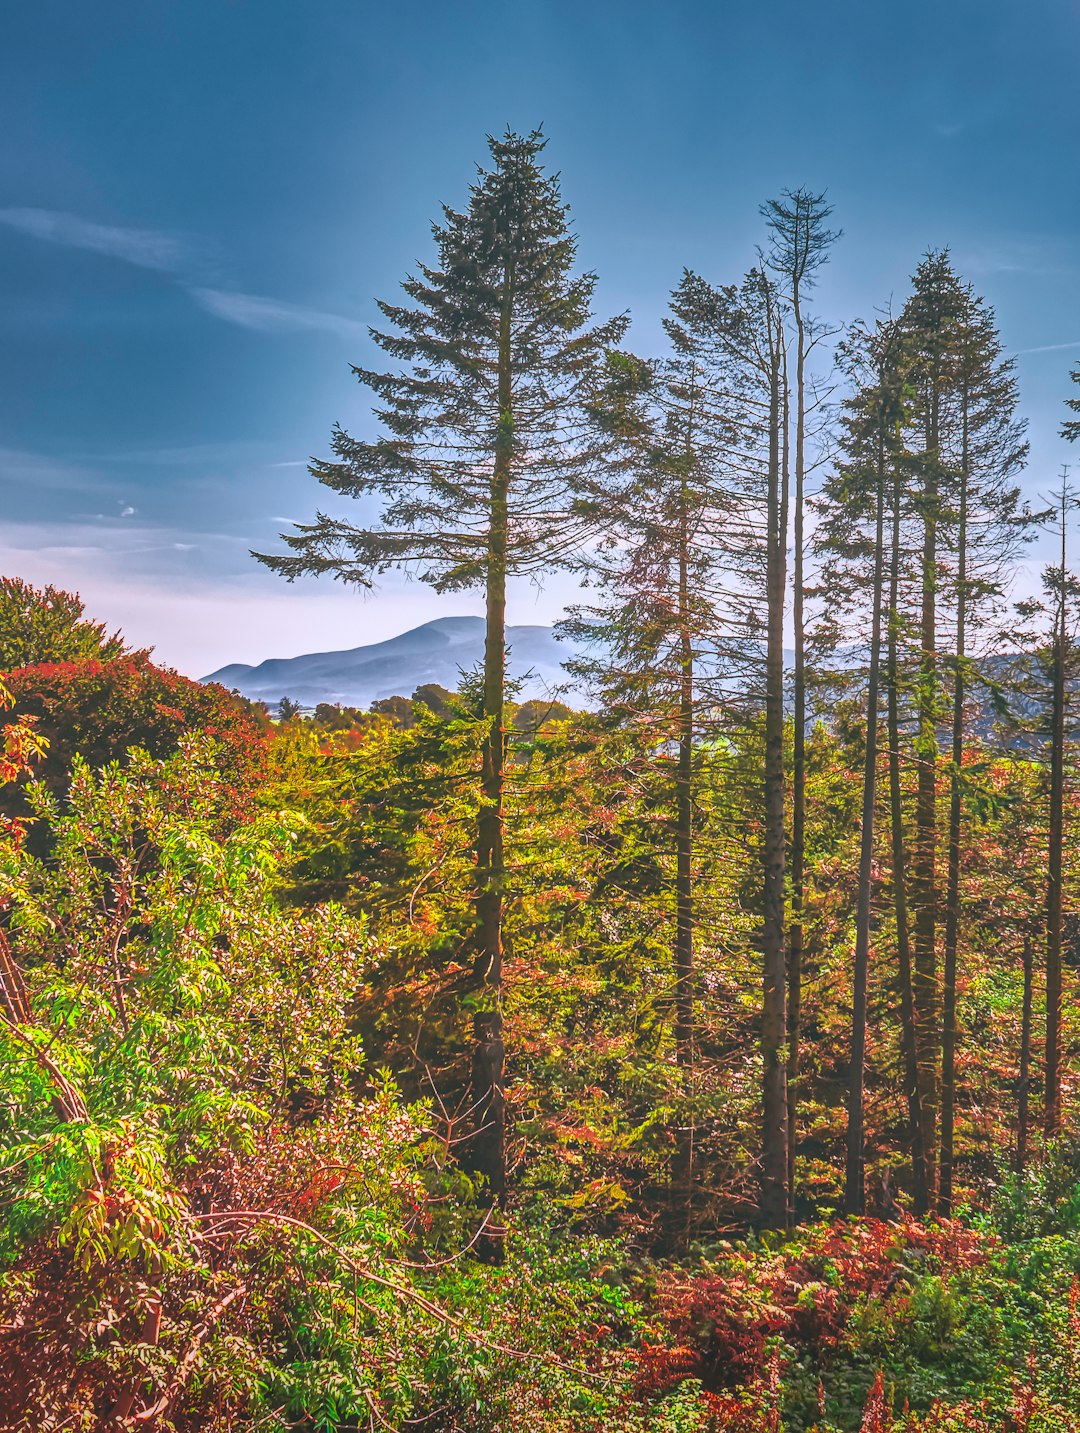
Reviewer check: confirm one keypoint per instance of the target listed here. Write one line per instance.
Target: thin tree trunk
(920, 1181)
(1024, 1092)
(774, 1190)
(952, 893)
(487, 1095)
(684, 894)
(855, 1177)
(924, 853)
(1052, 1106)
(798, 762)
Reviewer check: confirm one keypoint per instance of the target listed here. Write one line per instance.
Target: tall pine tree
(800, 244)
(985, 450)
(662, 646)
(487, 445)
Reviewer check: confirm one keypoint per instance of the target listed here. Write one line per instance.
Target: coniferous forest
(695, 1050)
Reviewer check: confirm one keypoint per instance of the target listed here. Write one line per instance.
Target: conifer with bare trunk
(488, 444)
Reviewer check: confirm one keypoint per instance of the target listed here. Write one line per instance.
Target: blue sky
(200, 201)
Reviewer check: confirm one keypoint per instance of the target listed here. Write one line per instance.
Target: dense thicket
(477, 1065)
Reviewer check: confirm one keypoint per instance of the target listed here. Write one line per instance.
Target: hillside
(438, 651)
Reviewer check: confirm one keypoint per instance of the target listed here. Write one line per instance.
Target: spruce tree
(986, 449)
(1062, 589)
(800, 245)
(1071, 427)
(851, 540)
(661, 647)
(930, 320)
(487, 444)
(745, 327)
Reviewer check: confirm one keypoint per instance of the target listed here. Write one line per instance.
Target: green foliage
(46, 624)
(212, 1202)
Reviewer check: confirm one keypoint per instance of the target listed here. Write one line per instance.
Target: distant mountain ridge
(438, 651)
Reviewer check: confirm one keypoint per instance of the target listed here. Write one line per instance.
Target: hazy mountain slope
(436, 652)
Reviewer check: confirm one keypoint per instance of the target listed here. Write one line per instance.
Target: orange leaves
(803, 1295)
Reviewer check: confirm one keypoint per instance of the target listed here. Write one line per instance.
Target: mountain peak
(437, 651)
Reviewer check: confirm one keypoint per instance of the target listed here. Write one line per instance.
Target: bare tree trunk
(924, 853)
(855, 1176)
(798, 762)
(1052, 1106)
(952, 894)
(487, 1093)
(774, 1183)
(1024, 1092)
(920, 1179)
(684, 892)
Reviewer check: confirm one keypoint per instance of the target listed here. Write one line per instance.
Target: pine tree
(988, 524)
(851, 539)
(898, 845)
(1071, 427)
(930, 320)
(1063, 590)
(662, 647)
(800, 246)
(746, 326)
(487, 444)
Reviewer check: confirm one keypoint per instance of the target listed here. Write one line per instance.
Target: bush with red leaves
(101, 708)
(802, 1295)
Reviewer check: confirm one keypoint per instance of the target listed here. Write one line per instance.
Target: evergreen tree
(1071, 427)
(487, 445)
(930, 320)
(1057, 678)
(744, 327)
(989, 523)
(800, 245)
(852, 543)
(661, 649)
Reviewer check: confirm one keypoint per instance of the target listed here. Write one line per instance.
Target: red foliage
(722, 1323)
(101, 708)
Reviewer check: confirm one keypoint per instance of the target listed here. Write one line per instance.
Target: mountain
(436, 652)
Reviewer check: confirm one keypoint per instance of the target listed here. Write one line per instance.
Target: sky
(202, 200)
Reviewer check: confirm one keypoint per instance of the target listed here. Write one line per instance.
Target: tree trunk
(1024, 1092)
(952, 894)
(924, 854)
(487, 1094)
(920, 1180)
(798, 762)
(1052, 1106)
(855, 1177)
(774, 1190)
(684, 894)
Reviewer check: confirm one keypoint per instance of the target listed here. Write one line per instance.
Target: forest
(695, 1050)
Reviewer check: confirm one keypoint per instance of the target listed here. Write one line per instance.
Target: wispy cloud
(1049, 347)
(179, 258)
(1032, 254)
(272, 315)
(34, 471)
(145, 248)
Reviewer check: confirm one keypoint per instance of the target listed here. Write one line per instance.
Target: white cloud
(170, 254)
(272, 315)
(20, 467)
(1049, 347)
(145, 248)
